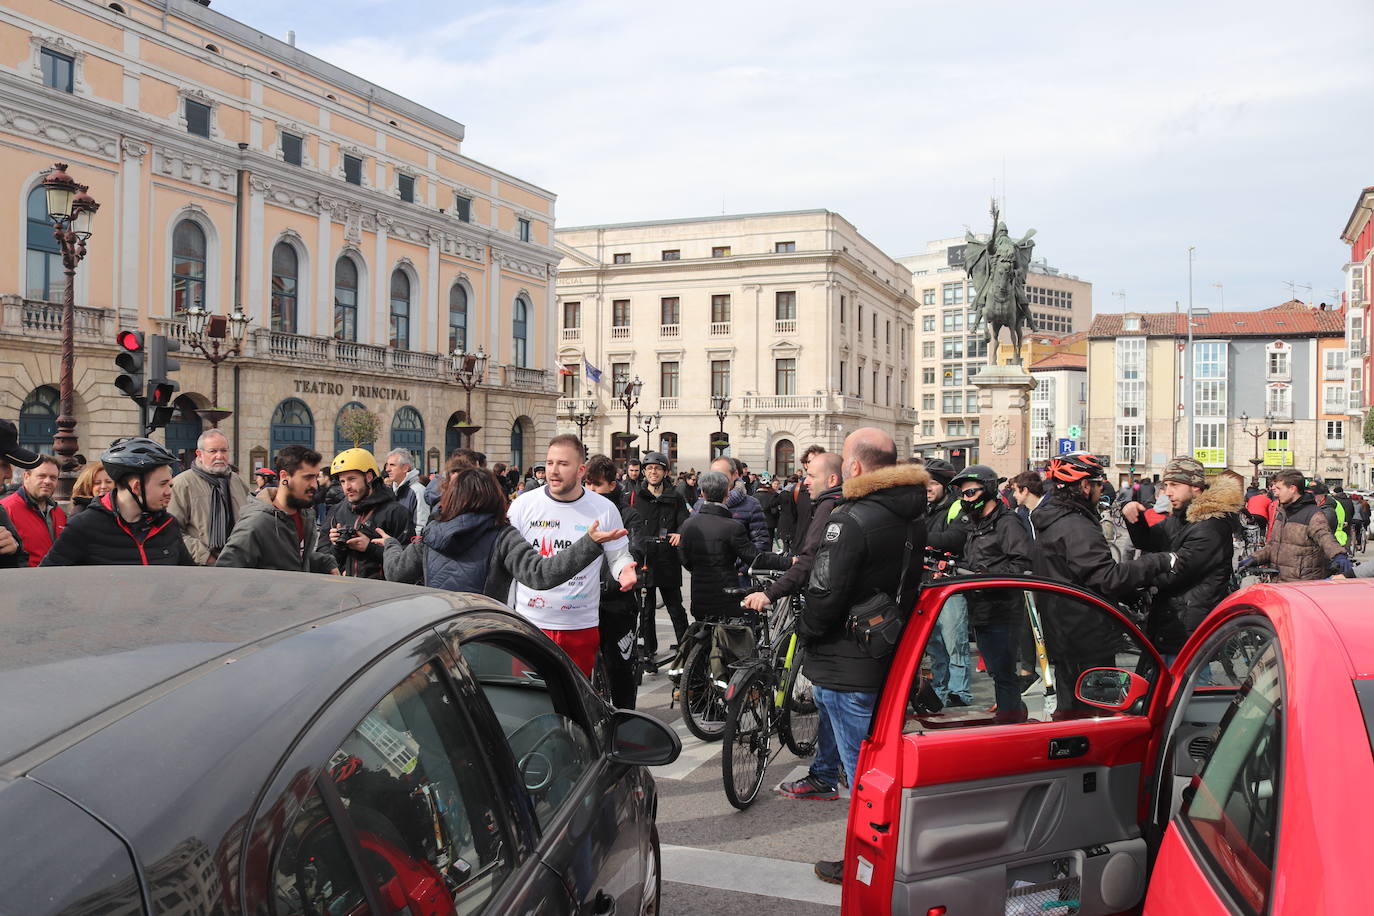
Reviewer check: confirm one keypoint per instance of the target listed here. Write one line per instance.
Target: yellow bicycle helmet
(354, 459)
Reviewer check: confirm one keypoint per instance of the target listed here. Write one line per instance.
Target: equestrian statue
(998, 269)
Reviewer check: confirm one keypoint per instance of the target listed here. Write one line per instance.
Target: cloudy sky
(1124, 133)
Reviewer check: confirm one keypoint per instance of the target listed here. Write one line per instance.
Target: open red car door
(1032, 808)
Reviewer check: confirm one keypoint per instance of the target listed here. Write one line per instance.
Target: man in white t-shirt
(551, 518)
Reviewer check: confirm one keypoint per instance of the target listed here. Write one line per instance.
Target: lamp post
(584, 417)
(647, 423)
(629, 396)
(1255, 434)
(208, 333)
(721, 405)
(72, 212)
(469, 369)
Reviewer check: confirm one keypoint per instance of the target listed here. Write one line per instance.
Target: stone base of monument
(1004, 418)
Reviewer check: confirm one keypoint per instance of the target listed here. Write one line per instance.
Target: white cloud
(1125, 135)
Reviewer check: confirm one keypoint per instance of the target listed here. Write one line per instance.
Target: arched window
(38, 419)
(285, 270)
(784, 456)
(188, 266)
(292, 424)
(43, 266)
(184, 429)
(408, 431)
(457, 318)
(346, 299)
(454, 434)
(517, 444)
(342, 442)
(400, 310)
(520, 332)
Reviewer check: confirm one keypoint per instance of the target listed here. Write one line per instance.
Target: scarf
(221, 510)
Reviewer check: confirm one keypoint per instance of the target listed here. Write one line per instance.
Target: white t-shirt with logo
(551, 526)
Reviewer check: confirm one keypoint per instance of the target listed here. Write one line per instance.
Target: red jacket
(33, 530)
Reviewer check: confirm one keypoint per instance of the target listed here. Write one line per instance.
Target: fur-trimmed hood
(1224, 497)
(898, 475)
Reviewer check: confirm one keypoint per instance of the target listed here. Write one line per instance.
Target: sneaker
(955, 700)
(830, 872)
(1033, 685)
(809, 787)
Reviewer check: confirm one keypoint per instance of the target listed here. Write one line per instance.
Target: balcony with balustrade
(719, 329)
(569, 406)
(785, 326)
(667, 405)
(572, 335)
(37, 320)
(329, 352)
(669, 331)
(620, 332)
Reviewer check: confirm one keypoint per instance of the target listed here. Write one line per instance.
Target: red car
(1235, 781)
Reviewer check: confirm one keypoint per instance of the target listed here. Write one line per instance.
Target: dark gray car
(205, 740)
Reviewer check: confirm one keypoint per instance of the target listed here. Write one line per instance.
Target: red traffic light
(130, 340)
(160, 395)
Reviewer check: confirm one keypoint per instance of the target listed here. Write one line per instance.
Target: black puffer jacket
(794, 580)
(1202, 540)
(662, 515)
(100, 537)
(860, 554)
(712, 543)
(946, 525)
(997, 545)
(378, 509)
(620, 609)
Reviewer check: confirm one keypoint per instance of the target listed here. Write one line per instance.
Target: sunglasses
(971, 491)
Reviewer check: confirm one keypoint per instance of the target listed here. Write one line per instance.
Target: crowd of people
(572, 544)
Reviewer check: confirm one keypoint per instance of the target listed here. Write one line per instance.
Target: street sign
(1075, 432)
(1067, 445)
(1211, 457)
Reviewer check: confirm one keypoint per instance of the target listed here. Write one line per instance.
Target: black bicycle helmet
(940, 469)
(134, 455)
(979, 473)
(657, 458)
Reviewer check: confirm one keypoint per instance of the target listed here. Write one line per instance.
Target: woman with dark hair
(469, 546)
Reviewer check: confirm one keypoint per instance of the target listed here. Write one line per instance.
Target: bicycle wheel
(703, 703)
(748, 739)
(801, 718)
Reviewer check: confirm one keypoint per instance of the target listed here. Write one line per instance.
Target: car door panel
(982, 819)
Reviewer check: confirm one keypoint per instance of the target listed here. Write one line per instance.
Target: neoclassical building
(802, 322)
(234, 170)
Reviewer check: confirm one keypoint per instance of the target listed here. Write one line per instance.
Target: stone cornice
(93, 142)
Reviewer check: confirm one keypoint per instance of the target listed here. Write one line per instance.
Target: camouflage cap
(1185, 470)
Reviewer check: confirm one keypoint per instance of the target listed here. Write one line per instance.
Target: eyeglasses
(971, 491)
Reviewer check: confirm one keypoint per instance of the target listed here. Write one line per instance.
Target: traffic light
(131, 379)
(161, 388)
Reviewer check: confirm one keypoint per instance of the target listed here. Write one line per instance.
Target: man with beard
(34, 512)
(368, 507)
(206, 498)
(277, 530)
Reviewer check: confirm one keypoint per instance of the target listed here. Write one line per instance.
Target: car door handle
(1064, 748)
(603, 904)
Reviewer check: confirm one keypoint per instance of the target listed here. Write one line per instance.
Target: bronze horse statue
(998, 268)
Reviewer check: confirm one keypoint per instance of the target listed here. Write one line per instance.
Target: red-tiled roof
(1061, 361)
(1282, 321)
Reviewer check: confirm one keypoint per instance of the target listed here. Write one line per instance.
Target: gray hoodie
(264, 537)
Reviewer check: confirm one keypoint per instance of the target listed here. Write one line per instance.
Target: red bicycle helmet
(1076, 466)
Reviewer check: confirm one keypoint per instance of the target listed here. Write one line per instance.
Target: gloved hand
(1247, 563)
(1343, 566)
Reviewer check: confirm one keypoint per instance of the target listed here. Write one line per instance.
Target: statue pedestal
(1004, 418)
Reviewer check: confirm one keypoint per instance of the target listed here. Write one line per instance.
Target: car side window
(1230, 663)
(539, 711)
(410, 776)
(314, 874)
(1005, 656)
(1233, 810)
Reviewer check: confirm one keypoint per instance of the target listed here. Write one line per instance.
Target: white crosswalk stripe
(730, 871)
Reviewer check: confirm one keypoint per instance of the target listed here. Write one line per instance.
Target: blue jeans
(949, 669)
(845, 718)
(997, 644)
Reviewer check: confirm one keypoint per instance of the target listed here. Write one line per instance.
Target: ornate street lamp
(208, 334)
(1255, 434)
(72, 212)
(469, 369)
(629, 396)
(584, 417)
(721, 405)
(647, 423)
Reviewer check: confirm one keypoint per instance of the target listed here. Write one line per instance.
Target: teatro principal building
(236, 172)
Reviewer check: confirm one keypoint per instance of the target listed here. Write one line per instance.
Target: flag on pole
(564, 370)
(593, 373)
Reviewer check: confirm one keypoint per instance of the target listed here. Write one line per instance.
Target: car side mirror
(642, 741)
(1111, 688)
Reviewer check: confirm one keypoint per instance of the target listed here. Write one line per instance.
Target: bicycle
(768, 695)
